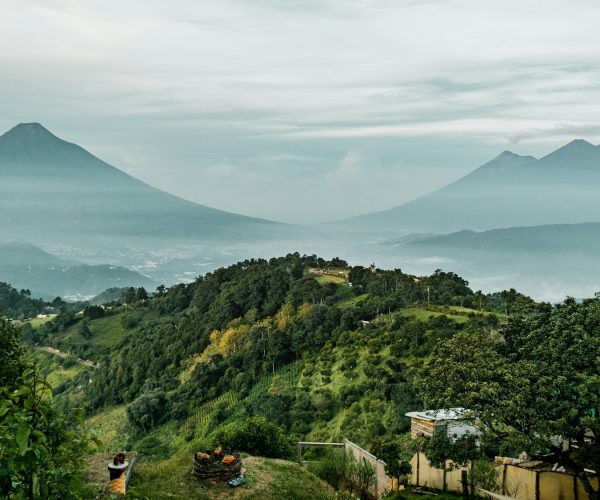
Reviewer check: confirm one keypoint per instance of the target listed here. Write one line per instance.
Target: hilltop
(276, 339)
(262, 354)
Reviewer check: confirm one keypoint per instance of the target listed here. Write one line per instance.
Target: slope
(28, 267)
(55, 191)
(510, 190)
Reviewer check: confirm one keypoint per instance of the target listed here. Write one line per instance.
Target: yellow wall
(519, 482)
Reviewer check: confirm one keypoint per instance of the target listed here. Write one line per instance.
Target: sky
(306, 110)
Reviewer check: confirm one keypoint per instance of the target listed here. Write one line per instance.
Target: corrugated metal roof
(449, 414)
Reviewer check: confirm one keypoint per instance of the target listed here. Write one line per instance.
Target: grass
(353, 301)
(325, 279)
(106, 332)
(109, 427)
(37, 322)
(266, 479)
(409, 495)
(52, 367)
(425, 314)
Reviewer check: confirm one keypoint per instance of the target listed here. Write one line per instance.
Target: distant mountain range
(25, 266)
(514, 221)
(547, 262)
(510, 190)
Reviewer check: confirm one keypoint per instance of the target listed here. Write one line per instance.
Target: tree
(141, 294)
(42, 452)
(93, 312)
(84, 329)
(129, 296)
(539, 379)
(11, 352)
(147, 411)
(257, 436)
(396, 454)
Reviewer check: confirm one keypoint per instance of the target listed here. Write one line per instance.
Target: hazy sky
(302, 110)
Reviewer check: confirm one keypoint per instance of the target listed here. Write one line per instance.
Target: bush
(256, 436)
(43, 452)
(484, 474)
(152, 447)
(147, 411)
(332, 468)
(346, 474)
(130, 320)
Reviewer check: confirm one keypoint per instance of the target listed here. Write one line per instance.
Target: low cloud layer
(320, 111)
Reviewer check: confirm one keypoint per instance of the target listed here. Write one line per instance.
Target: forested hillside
(264, 353)
(20, 304)
(322, 355)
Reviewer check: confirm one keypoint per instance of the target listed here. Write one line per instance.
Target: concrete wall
(514, 481)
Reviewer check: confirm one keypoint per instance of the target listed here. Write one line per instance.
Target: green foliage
(93, 312)
(332, 467)
(42, 452)
(257, 436)
(15, 304)
(147, 411)
(11, 352)
(346, 474)
(539, 379)
(484, 474)
(396, 454)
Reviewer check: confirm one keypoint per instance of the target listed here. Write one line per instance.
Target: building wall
(421, 427)
(459, 428)
(513, 481)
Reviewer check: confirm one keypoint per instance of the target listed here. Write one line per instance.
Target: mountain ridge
(509, 190)
(56, 191)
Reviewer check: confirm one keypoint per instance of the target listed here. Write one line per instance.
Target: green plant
(362, 478)
(484, 474)
(42, 453)
(256, 436)
(332, 468)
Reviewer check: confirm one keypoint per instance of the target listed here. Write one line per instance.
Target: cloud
(414, 92)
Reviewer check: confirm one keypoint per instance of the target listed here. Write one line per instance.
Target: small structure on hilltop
(118, 469)
(454, 422)
(216, 466)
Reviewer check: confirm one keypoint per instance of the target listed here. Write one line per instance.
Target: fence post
(418, 465)
(504, 479)
(465, 484)
(299, 453)
(537, 485)
(575, 492)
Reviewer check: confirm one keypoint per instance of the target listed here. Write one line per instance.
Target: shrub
(346, 474)
(147, 411)
(42, 450)
(256, 436)
(333, 468)
(130, 320)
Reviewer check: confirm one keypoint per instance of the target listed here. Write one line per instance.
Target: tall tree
(538, 380)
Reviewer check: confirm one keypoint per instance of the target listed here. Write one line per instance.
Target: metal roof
(449, 414)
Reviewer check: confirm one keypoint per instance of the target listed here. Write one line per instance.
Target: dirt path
(62, 354)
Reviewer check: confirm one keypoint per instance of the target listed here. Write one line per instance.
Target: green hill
(321, 360)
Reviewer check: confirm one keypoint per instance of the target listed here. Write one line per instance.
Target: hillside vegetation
(264, 353)
(322, 359)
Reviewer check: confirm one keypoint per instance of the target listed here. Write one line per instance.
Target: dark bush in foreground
(257, 436)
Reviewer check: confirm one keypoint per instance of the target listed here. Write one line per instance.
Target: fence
(382, 481)
(515, 481)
